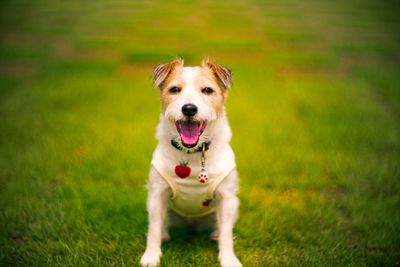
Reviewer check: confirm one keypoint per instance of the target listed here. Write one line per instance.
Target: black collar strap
(199, 149)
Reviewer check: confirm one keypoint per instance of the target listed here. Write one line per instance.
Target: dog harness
(190, 197)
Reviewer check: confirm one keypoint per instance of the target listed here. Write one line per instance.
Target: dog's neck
(182, 148)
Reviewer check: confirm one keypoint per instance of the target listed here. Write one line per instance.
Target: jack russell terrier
(193, 178)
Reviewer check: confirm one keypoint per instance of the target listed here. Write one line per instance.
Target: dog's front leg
(156, 205)
(227, 209)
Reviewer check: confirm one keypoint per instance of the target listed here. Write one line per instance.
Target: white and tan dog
(193, 177)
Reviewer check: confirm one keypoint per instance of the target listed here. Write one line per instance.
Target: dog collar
(199, 149)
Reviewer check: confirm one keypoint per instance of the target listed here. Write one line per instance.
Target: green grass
(314, 111)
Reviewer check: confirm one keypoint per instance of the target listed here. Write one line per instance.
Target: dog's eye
(207, 90)
(174, 90)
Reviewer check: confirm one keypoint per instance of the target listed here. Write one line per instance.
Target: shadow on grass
(186, 247)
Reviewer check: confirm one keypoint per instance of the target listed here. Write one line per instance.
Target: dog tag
(203, 177)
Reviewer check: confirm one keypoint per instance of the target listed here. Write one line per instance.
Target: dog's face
(192, 97)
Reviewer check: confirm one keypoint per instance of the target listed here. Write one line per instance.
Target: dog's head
(192, 97)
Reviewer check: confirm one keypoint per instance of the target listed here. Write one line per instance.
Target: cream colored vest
(190, 198)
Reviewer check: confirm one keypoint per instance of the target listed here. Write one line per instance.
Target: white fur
(218, 132)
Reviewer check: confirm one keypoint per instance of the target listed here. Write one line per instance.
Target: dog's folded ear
(162, 71)
(221, 73)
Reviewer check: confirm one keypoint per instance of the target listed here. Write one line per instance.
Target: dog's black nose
(189, 110)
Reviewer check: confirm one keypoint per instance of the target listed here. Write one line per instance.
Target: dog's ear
(221, 73)
(162, 71)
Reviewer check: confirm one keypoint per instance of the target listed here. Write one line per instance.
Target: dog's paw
(229, 260)
(150, 258)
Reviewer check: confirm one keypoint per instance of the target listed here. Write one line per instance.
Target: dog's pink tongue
(189, 132)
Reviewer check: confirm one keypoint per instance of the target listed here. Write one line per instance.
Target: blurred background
(314, 111)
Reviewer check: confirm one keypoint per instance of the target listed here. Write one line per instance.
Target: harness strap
(167, 178)
(217, 181)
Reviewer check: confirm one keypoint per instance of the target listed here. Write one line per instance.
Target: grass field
(315, 112)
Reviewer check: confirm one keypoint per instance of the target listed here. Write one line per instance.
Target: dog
(193, 177)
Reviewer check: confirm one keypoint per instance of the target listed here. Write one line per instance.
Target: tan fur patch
(172, 80)
(217, 99)
(163, 71)
(222, 74)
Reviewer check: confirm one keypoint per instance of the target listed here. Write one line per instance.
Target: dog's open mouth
(190, 131)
